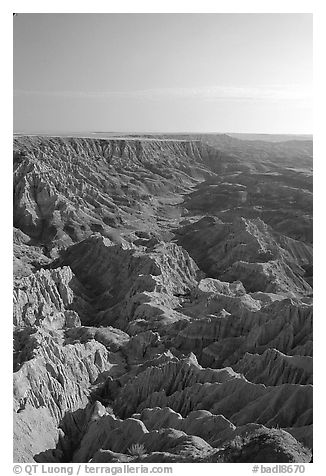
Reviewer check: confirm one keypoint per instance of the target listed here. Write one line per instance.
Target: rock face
(248, 250)
(162, 300)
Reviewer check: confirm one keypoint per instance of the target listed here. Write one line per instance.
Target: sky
(163, 73)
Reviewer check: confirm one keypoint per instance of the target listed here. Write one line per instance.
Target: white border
(168, 6)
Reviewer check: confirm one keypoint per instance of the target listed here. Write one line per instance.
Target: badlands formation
(163, 299)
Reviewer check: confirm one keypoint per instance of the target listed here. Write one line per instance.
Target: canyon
(163, 299)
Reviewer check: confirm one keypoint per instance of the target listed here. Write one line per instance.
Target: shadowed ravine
(163, 299)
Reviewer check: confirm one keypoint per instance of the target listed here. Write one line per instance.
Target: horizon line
(161, 132)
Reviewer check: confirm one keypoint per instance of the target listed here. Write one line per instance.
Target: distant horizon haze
(165, 133)
(177, 73)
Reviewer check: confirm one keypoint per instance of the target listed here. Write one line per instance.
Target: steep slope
(162, 303)
(228, 251)
(68, 188)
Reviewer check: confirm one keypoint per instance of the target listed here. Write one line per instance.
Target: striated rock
(56, 379)
(226, 328)
(271, 277)
(47, 298)
(34, 431)
(146, 330)
(144, 345)
(59, 376)
(165, 381)
(185, 387)
(126, 283)
(274, 368)
(215, 286)
(258, 179)
(250, 251)
(100, 184)
(113, 339)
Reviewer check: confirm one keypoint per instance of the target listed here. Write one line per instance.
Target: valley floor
(163, 300)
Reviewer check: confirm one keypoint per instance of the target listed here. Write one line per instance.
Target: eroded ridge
(163, 300)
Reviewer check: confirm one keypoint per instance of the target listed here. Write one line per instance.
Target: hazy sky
(163, 72)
